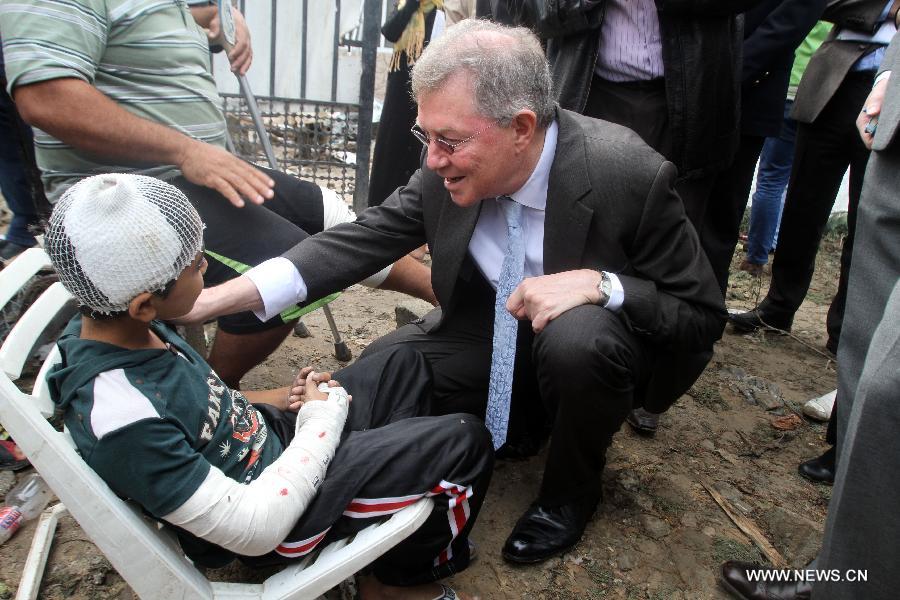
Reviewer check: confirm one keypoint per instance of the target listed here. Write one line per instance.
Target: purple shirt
(630, 45)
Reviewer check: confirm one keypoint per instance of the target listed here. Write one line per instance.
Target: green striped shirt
(147, 55)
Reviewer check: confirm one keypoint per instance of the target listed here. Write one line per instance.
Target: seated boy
(263, 476)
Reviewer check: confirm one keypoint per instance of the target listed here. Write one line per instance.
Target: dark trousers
(825, 148)
(641, 106)
(389, 457)
(722, 221)
(576, 379)
(19, 177)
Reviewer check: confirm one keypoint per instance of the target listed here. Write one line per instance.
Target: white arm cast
(252, 519)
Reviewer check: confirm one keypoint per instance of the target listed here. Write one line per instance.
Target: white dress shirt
(280, 285)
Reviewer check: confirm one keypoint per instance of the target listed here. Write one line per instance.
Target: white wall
(288, 36)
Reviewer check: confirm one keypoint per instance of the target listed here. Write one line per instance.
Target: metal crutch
(226, 20)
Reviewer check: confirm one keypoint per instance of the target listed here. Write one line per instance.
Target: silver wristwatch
(605, 288)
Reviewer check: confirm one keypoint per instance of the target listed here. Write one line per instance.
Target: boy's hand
(306, 388)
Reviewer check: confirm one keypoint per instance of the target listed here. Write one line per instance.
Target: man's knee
(585, 340)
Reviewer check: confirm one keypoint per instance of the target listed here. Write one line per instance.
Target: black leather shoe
(543, 532)
(747, 322)
(521, 448)
(819, 469)
(643, 421)
(736, 579)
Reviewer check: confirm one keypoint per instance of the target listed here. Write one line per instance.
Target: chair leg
(341, 350)
(33, 571)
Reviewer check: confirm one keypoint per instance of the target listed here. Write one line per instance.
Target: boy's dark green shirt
(151, 423)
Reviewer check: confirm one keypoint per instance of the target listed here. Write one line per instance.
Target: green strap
(289, 314)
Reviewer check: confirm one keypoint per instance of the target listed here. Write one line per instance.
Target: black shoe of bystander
(737, 580)
(819, 469)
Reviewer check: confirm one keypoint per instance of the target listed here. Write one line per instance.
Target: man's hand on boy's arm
(75, 112)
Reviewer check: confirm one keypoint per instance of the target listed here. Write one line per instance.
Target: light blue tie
(503, 358)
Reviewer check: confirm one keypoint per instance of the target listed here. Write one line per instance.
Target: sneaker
(11, 458)
(819, 409)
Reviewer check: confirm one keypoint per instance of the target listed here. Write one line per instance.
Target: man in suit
(614, 277)
(834, 86)
(863, 526)
(669, 70)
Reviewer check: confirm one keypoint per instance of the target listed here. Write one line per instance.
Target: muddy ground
(658, 534)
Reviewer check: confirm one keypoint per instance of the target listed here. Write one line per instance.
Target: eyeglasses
(445, 145)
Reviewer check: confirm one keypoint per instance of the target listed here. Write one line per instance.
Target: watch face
(606, 285)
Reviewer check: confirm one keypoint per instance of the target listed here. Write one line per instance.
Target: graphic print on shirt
(234, 426)
(213, 407)
(246, 427)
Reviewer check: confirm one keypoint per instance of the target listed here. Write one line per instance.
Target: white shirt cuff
(617, 297)
(279, 285)
(882, 75)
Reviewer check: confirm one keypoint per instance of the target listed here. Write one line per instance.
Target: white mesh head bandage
(114, 236)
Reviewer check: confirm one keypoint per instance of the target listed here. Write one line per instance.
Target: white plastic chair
(147, 557)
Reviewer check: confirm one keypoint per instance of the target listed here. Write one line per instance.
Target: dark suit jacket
(772, 31)
(832, 61)
(610, 205)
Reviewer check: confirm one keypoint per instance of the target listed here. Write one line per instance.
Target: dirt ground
(658, 533)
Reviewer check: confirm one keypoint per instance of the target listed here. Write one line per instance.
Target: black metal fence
(322, 140)
(316, 141)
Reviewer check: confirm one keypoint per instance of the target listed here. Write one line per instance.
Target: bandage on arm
(252, 519)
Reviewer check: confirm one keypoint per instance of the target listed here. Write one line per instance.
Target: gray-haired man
(614, 277)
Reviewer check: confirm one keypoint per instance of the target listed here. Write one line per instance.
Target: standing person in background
(836, 82)
(772, 31)
(19, 177)
(775, 165)
(863, 526)
(396, 155)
